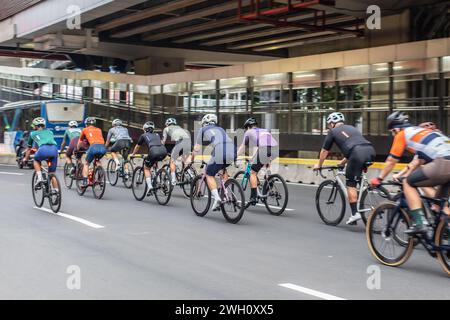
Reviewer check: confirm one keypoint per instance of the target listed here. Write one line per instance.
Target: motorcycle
(21, 152)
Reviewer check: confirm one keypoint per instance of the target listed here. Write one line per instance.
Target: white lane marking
(310, 292)
(68, 216)
(275, 207)
(303, 184)
(12, 173)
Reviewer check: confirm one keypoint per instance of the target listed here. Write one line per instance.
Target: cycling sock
(418, 216)
(39, 176)
(174, 177)
(117, 162)
(253, 193)
(85, 181)
(215, 194)
(353, 207)
(149, 183)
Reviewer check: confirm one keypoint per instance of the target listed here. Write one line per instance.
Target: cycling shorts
(360, 156)
(48, 152)
(120, 145)
(73, 148)
(95, 151)
(432, 174)
(155, 154)
(263, 157)
(181, 147)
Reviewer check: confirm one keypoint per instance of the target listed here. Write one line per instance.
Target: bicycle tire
(99, 179)
(334, 185)
(55, 203)
(127, 182)
(195, 194)
(113, 175)
(79, 182)
(236, 189)
(162, 182)
(187, 176)
(383, 192)
(443, 256)
(38, 200)
(266, 190)
(138, 182)
(68, 177)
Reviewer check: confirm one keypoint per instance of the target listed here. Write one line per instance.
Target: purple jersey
(258, 137)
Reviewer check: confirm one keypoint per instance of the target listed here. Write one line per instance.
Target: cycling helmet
(149, 126)
(171, 121)
(250, 122)
(39, 121)
(335, 117)
(90, 121)
(73, 124)
(428, 125)
(397, 120)
(117, 122)
(209, 119)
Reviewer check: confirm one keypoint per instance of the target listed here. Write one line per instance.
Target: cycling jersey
(93, 135)
(214, 135)
(258, 137)
(152, 139)
(427, 144)
(71, 133)
(346, 138)
(176, 133)
(118, 133)
(41, 137)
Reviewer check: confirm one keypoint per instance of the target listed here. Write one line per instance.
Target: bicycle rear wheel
(276, 194)
(69, 170)
(39, 192)
(54, 193)
(99, 185)
(187, 176)
(112, 172)
(383, 226)
(81, 189)
(234, 201)
(370, 199)
(138, 185)
(442, 240)
(163, 186)
(127, 174)
(330, 202)
(200, 196)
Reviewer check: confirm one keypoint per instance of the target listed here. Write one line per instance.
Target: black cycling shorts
(121, 144)
(263, 157)
(357, 162)
(433, 174)
(155, 154)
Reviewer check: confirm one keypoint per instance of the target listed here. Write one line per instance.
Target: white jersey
(176, 133)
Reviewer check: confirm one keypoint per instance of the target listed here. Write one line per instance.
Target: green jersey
(71, 133)
(41, 137)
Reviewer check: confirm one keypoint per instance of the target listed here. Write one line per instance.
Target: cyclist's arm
(108, 138)
(63, 143)
(28, 150)
(135, 150)
(397, 150)
(163, 141)
(80, 140)
(323, 155)
(327, 144)
(343, 162)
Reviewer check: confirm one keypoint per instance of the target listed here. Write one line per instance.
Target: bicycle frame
(222, 183)
(246, 178)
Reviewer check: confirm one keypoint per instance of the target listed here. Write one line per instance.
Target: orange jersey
(93, 135)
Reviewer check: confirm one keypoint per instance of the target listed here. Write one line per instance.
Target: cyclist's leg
(90, 156)
(53, 163)
(211, 170)
(70, 150)
(116, 147)
(38, 157)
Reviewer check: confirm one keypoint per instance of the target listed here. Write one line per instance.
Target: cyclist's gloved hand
(316, 167)
(375, 182)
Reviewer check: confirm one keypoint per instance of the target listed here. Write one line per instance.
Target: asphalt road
(125, 249)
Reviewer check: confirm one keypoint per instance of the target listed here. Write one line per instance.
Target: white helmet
(335, 117)
(209, 119)
(73, 124)
(39, 121)
(117, 122)
(149, 126)
(170, 121)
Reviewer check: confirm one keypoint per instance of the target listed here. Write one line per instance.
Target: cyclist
(47, 148)
(222, 156)
(433, 151)
(96, 145)
(182, 146)
(72, 135)
(156, 151)
(264, 143)
(357, 152)
(120, 135)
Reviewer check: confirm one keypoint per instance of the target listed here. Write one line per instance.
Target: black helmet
(397, 120)
(149, 126)
(250, 122)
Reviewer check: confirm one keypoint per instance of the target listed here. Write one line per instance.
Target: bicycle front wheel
(244, 181)
(69, 169)
(330, 202)
(138, 185)
(81, 189)
(370, 199)
(187, 176)
(200, 196)
(54, 193)
(384, 225)
(234, 201)
(99, 185)
(127, 174)
(163, 186)
(38, 191)
(276, 194)
(112, 172)
(442, 240)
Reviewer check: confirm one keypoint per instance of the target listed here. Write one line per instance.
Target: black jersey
(151, 139)
(346, 137)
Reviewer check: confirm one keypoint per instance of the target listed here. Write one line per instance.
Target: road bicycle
(392, 247)
(96, 179)
(162, 187)
(124, 171)
(273, 192)
(49, 188)
(184, 175)
(71, 169)
(230, 191)
(332, 194)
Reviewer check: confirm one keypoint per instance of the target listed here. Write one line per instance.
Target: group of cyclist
(430, 168)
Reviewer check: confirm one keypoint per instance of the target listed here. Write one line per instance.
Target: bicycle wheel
(187, 176)
(99, 185)
(69, 170)
(200, 196)
(330, 202)
(39, 192)
(79, 181)
(276, 194)
(163, 186)
(138, 184)
(112, 172)
(54, 193)
(442, 240)
(370, 199)
(383, 224)
(244, 182)
(234, 201)
(127, 178)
